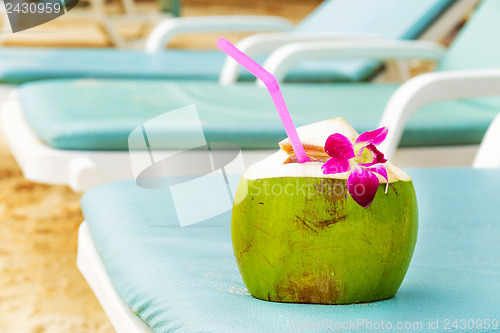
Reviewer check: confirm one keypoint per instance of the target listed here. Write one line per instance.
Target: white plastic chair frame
(285, 57)
(488, 155)
(164, 32)
(269, 43)
(433, 87)
(99, 15)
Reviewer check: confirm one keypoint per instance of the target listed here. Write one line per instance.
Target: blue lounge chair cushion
(475, 46)
(389, 18)
(186, 279)
(242, 114)
(20, 65)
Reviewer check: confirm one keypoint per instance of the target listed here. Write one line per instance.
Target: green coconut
(299, 237)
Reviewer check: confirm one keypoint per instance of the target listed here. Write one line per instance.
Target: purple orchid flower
(362, 159)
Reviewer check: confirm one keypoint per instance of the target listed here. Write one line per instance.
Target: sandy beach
(41, 289)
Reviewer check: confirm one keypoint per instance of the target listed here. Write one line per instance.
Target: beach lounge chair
(151, 275)
(80, 137)
(95, 13)
(332, 19)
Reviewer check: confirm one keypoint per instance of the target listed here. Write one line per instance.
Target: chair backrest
(477, 45)
(399, 19)
(390, 18)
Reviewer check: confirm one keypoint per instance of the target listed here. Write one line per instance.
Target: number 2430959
(470, 324)
(33, 8)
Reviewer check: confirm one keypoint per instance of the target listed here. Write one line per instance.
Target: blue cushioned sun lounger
(241, 114)
(99, 115)
(92, 119)
(186, 279)
(388, 18)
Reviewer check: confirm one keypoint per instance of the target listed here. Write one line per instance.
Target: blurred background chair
(334, 19)
(80, 137)
(86, 15)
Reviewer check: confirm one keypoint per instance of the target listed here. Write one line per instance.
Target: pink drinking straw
(272, 86)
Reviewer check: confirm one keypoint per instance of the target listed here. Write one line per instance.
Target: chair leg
(84, 174)
(488, 155)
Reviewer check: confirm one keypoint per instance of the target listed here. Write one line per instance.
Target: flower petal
(362, 185)
(370, 155)
(376, 137)
(381, 170)
(339, 147)
(335, 165)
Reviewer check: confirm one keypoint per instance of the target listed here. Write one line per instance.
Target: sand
(41, 289)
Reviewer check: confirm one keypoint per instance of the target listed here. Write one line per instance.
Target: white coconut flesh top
(313, 138)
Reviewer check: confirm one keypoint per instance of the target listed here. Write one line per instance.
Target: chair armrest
(266, 43)
(488, 155)
(281, 60)
(433, 87)
(164, 31)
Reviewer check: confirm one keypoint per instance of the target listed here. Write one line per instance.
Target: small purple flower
(362, 159)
